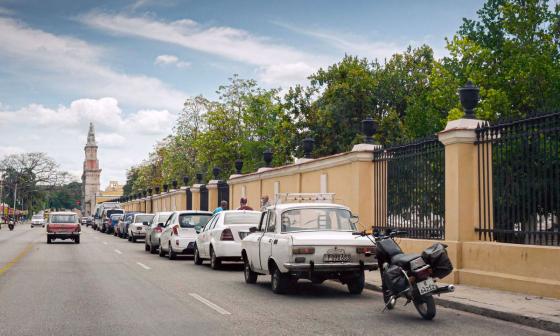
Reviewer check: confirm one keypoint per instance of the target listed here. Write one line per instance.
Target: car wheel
(197, 259)
(133, 238)
(146, 247)
(49, 241)
(161, 251)
(356, 285)
(279, 281)
(153, 249)
(172, 255)
(250, 276)
(129, 238)
(215, 262)
(32, 226)
(77, 240)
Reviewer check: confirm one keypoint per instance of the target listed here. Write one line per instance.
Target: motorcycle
(11, 226)
(411, 276)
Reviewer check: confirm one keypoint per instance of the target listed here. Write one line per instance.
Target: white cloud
(110, 139)
(230, 43)
(171, 60)
(76, 67)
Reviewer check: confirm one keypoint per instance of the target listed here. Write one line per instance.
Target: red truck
(63, 225)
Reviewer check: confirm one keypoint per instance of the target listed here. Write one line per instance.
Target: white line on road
(119, 252)
(143, 266)
(210, 304)
(105, 243)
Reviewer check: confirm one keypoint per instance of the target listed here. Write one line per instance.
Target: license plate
(426, 286)
(336, 257)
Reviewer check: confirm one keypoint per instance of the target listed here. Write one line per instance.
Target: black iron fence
(519, 181)
(189, 198)
(203, 198)
(223, 193)
(409, 189)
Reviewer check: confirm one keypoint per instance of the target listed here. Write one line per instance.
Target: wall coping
(196, 187)
(313, 165)
(460, 131)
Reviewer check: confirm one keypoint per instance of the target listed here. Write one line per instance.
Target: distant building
(90, 175)
(114, 190)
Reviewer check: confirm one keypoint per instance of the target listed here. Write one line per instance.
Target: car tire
(32, 226)
(356, 285)
(172, 255)
(250, 276)
(197, 259)
(129, 238)
(49, 240)
(279, 282)
(133, 238)
(153, 249)
(146, 247)
(161, 251)
(77, 240)
(215, 262)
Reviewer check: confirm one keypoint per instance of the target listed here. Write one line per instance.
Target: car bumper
(331, 267)
(37, 224)
(63, 235)
(183, 246)
(228, 250)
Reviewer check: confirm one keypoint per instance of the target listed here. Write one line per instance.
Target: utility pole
(15, 195)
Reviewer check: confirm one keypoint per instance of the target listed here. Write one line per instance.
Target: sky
(128, 66)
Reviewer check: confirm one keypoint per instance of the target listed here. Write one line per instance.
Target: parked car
(63, 225)
(115, 218)
(153, 232)
(89, 221)
(83, 220)
(180, 232)
(137, 226)
(107, 224)
(37, 220)
(220, 240)
(312, 241)
(99, 209)
(123, 224)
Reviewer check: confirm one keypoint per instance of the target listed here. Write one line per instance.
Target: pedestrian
(243, 203)
(222, 207)
(264, 203)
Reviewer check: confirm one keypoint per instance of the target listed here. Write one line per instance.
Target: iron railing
(189, 198)
(409, 189)
(203, 198)
(519, 181)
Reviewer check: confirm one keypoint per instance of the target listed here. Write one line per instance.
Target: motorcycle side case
(436, 256)
(395, 280)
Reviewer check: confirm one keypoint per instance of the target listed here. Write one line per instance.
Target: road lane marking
(105, 243)
(16, 259)
(119, 252)
(210, 304)
(143, 266)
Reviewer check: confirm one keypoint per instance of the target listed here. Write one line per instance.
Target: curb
(496, 314)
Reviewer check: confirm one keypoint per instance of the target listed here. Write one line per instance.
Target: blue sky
(128, 65)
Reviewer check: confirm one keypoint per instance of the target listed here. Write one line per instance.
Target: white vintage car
(312, 241)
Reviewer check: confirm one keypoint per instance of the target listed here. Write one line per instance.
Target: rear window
(113, 212)
(162, 218)
(242, 218)
(143, 218)
(37, 217)
(192, 220)
(63, 218)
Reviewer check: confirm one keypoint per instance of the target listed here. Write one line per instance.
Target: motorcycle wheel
(387, 296)
(425, 306)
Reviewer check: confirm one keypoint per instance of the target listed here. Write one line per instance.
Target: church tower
(90, 176)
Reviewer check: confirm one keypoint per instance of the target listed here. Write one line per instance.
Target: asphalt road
(108, 286)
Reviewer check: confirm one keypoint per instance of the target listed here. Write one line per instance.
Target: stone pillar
(195, 190)
(461, 186)
(212, 187)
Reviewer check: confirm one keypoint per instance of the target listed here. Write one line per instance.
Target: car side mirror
(160, 224)
(354, 219)
(252, 229)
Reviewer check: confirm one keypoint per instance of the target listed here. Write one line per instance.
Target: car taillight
(175, 231)
(303, 250)
(226, 235)
(365, 250)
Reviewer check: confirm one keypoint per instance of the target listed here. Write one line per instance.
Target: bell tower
(91, 174)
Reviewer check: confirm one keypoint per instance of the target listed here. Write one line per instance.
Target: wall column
(212, 187)
(195, 190)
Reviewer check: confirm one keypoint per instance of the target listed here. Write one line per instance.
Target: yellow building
(114, 190)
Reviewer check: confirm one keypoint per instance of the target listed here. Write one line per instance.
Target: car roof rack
(304, 198)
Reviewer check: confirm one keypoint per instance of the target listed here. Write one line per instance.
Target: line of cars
(291, 241)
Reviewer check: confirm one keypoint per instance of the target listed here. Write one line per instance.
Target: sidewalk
(533, 311)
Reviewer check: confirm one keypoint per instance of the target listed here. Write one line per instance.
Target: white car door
(204, 237)
(265, 245)
(166, 233)
(253, 242)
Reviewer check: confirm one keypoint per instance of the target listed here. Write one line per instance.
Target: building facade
(90, 175)
(114, 190)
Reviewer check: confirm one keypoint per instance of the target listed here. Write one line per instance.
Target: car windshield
(114, 217)
(193, 220)
(63, 218)
(316, 219)
(235, 218)
(143, 218)
(115, 211)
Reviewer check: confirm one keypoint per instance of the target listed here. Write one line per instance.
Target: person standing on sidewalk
(243, 204)
(264, 203)
(222, 207)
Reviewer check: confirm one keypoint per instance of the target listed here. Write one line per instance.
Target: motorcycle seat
(404, 259)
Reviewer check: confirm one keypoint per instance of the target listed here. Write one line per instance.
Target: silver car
(138, 225)
(153, 232)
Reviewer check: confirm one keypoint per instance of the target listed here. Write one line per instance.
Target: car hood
(328, 238)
